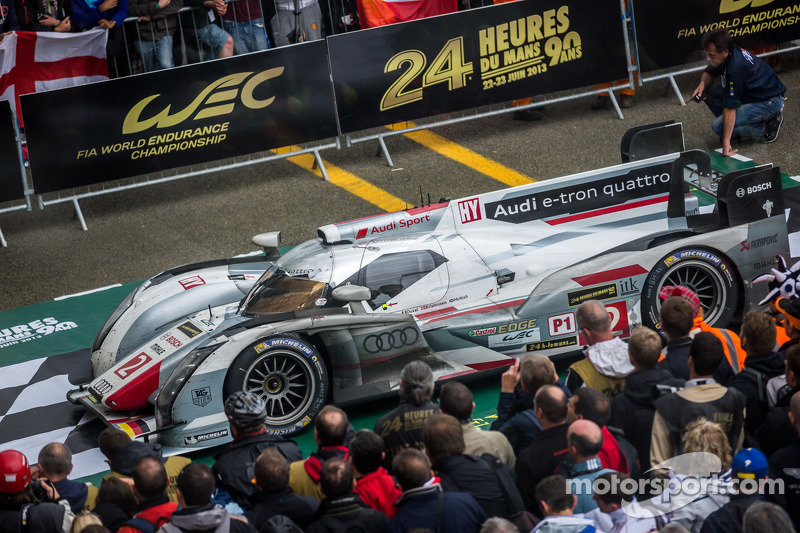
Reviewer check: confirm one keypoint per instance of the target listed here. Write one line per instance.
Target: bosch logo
(739, 192)
(102, 386)
(391, 340)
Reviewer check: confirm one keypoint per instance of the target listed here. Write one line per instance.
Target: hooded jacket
(604, 369)
(205, 518)
(304, 475)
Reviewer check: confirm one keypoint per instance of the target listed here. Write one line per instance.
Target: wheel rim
(284, 380)
(705, 281)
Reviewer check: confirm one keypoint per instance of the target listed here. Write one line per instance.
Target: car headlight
(121, 308)
(175, 382)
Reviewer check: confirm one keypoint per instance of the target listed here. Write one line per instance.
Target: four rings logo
(102, 386)
(215, 100)
(391, 340)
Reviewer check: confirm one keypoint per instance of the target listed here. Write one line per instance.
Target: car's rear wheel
(289, 373)
(709, 274)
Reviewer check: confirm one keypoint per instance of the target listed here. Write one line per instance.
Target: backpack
(629, 451)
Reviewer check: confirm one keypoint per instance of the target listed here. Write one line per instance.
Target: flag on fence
(382, 12)
(40, 61)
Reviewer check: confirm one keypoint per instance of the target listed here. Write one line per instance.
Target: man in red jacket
(155, 509)
(373, 483)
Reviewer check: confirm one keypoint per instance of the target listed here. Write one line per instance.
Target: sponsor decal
(519, 337)
(551, 345)
(600, 292)
(35, 329)
(288, 343)
(482, 332)
(189, 329)
(391, 226)
(515, 326)
(758, 243)
(470, 210)
(171, 340)
(766, 264)
(134, 363)
(561, 324)
(628, 286)
(194, 281)
(157, 349)
(201, 397)
(196, 439)
(320, 302)
(692, 254)
(635, 185)
(236, 277)
(390, 340)
(767, 207)
(619, 316)
(300, 271)
(101, 386)
(741, 192)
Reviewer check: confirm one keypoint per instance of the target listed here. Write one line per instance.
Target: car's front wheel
(289, 373)
(709, 274)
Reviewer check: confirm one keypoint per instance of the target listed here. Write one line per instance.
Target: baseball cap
(749, 463)
(684, 292)
(790, 309)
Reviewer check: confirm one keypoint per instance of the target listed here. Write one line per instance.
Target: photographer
(26, 506)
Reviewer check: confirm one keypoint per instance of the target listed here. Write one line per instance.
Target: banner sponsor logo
(551, 345)
(469, 210)
(36, 329)
(601, 292)
(758, 243)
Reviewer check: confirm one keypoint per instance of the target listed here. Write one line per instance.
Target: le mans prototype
(465, 285)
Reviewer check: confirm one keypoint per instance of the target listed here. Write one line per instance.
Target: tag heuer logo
(201, 397)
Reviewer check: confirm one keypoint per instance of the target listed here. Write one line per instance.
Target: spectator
(785, 464)
(590, 404)
(108, 15)
(122, 454)
(787, 318)
(55, 464)
(633, 410)
(342, 509)
(542, 456)
(762, 364)
(730, 341)
(296, 21)
(9, 21)
(753, 107)
(212, 41)
(751, 465)
(402, 427)
(498, 525)
(330, 432)
(37, 15)
(766, 516)
(492, 483)
(626, 517)
(606, 364)
(157, 22)
(529, 373)
(116, 503)
(558, 504)
(777, 430)
(83, 520)
(424, 505)
(455, 399)
(233, 466)
(374, 485)
(244, 21)
(155, 508)
(196, 512)
(46, 511)
(274, 496)
(584, 441)
(703, 396)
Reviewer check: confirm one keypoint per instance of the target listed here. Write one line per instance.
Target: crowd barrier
(442, 70)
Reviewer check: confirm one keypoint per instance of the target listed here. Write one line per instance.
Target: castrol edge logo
(219, 98)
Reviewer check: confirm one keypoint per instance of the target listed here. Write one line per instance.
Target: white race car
(466, 285)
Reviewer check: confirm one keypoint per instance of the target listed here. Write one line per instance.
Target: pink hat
(684, 292)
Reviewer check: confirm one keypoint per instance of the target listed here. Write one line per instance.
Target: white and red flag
(382, 12)
(40, 61)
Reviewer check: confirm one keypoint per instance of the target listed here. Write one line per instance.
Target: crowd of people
(696, 433)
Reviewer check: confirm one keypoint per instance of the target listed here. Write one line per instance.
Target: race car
(466, 285)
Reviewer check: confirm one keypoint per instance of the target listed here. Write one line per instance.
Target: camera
(697, 97)
(40, 491)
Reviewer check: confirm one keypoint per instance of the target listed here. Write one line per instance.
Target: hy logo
(729, 6)
(217, 99)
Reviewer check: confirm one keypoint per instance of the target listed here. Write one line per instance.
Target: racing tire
(708, 273)
(289, 373)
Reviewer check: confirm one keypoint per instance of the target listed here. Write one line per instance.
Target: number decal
(449, 66)
(397, 95)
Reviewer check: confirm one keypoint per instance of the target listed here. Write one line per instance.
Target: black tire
(289, 373)
(709, 274)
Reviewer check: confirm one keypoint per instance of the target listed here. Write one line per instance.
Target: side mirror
(352, 294)
(269, 241)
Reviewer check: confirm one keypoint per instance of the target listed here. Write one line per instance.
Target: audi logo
(391, 340)
(102, 386)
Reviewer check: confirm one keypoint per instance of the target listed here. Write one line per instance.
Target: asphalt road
(137, 233)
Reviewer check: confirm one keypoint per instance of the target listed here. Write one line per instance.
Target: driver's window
(389, 275)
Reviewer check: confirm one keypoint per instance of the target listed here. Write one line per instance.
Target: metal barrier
(27, 191)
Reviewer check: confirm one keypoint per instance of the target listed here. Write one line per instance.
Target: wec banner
(178, 117)
(473, 58)
(668, 33)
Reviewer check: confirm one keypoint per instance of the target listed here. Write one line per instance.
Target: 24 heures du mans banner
(11, 187)
(179, 117)
(472, 58)
(668, 32)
